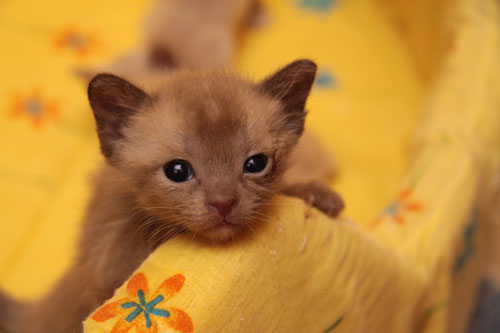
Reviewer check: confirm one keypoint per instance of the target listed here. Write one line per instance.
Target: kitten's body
(216, 123)
(112, 245)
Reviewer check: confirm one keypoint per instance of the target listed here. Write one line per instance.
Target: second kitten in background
(200, 35)
(188, 34)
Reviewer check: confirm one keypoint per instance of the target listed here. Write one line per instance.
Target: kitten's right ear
(113, 100)
(291, 85)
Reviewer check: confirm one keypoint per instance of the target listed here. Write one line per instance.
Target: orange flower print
(34, 105)
(398, 208)
(144, 311)
(82, 43)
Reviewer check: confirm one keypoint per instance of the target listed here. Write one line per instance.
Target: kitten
(188, 34)
(200, 153)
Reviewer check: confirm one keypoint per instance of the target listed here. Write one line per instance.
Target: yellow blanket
(385, 68)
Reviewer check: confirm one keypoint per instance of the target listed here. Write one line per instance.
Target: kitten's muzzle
(223, 206)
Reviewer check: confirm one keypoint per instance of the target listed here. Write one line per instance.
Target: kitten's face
(202, 152)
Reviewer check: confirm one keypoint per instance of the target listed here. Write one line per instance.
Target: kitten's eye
(178, 171)
(256, 163)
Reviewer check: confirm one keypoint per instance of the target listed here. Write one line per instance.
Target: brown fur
(190, 28)
(213, 120)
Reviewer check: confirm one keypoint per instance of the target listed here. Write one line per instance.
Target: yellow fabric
(395, 270)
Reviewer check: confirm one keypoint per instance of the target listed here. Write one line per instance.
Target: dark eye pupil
(256, 163)
(178, 171)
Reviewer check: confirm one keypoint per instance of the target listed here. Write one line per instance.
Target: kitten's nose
(223, 206)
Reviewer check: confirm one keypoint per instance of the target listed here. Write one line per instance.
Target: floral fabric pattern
(398, 208)
(82, 43)
(38, 108)
(146, 316)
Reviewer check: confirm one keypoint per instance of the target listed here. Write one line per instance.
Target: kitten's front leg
(310, 169)
(317, 194)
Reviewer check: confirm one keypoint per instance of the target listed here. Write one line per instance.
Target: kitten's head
(202, 152)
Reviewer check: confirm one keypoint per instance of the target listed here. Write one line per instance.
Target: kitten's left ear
(291, 85)
(113, 100)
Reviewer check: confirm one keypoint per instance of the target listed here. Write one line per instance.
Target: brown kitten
(200, 153)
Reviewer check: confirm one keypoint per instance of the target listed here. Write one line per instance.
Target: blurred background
(380, 63)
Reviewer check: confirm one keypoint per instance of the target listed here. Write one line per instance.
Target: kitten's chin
(221, 231)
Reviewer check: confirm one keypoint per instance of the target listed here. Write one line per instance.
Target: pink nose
(223, 206)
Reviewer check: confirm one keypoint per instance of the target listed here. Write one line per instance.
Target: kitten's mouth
(221, 230)
(223, 224)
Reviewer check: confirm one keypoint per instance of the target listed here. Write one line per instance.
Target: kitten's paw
(318, 195)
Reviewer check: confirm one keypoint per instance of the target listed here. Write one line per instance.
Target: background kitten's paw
(318, 195)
